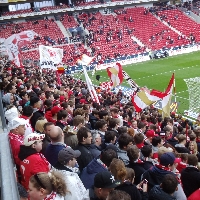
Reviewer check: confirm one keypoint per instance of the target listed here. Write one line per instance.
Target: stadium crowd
(66, 146)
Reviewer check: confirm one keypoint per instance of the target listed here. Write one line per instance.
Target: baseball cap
(167, 159)
(151, 133)
(14, 123)
(67, 154)
(55, 110)
(105, 180)
(33, 137)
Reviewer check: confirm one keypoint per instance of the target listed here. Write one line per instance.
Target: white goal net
(193, 85)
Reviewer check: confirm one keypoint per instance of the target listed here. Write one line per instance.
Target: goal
(193, 85)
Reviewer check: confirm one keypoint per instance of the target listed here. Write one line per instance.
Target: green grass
(155, 74)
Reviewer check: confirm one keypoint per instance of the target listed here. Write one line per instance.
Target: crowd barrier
(9, 190)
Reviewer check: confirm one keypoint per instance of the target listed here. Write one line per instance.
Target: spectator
(84, 146)
(47, 185)
(165, 190)
(57, 143)
(118, 195)
(97, 165)
(190, 176)
(104, 183)
(180, 147)
(31, 161)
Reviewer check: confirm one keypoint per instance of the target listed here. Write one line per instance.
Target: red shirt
(33, 164)
(15, 142)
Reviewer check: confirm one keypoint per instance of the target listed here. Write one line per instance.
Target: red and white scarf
(51, 196)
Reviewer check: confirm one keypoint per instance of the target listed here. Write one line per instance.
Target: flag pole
(175, 91)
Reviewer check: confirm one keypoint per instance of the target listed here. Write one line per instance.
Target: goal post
(193, 85)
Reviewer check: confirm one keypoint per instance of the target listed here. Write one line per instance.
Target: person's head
(62, 115)
(10, 88)
(104, 183)
(49, 96)
(181, 139)
(114, 123)
(110, 137)
(146, 151)
(103, 114)
(130, 175)
(96, 139)
(78, 121)
(47, 127)
(68, 156)
(34, 140)
(192, 160)
(193, 147)
(142, 126)
(150, 134)
(27, 111)
(118, 195)
(134, 124)
(157, 141)
(169, 184)
(42, 184)
(35, 102)
(124, 141)
(114, 111)
(39, 126)
(55, 110)
(167, 160)
(163, 150)
(101, 125)
(139, 140)
(107, 156)
(118, 169)
(56, 134)
(133, 153)
(17, 126)
(84, 136)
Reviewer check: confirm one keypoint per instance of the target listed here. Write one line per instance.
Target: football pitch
(155, 74)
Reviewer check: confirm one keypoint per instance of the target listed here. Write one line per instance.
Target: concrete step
(65, 32)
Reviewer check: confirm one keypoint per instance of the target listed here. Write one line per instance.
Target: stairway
(63, 29)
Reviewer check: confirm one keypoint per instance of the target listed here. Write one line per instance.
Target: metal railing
(8, 183)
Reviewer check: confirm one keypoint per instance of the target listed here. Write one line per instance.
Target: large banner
(15, 42)
(50, 57)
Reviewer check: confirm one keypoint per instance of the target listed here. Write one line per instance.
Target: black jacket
(35, 117)
(190, 177)
(60, 166)
(130, 189)
(157, 193)
(86, 156)
(61, 125)
(26, 151)
(139, 170)
(155, 176)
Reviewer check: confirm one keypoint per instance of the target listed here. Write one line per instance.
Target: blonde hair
(163, 150)
(195, 146)
(50, 181)
(118, 169)
(39, 126)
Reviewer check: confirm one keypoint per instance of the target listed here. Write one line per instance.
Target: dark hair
(82, 133)
(139, 138)
(169, 183)
(9, 86)
(124, 139)
(102, 113)
(48, 124)
(27, 111)
(118, 195)
(141, 125)
(146, 150)
(122, 129)
(113, 122)
(107, 156)
(109, 135)
(100, 123)
(64, 105)
(156, 140)
(192, 160)
(22, 191)
(48, 95)
(133, 152)
(61, 114)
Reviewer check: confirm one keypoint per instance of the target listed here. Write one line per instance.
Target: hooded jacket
(157, 193)
(90, 171)
(123, 156)
(31, 163)
(36, 114)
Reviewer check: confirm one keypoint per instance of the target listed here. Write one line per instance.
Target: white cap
(14, 123)
(11, 114)
(33, 137)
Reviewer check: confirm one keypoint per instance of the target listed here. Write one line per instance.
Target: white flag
(50, 56)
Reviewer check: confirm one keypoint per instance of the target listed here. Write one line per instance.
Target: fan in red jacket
(32, 161)
(16, 136)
